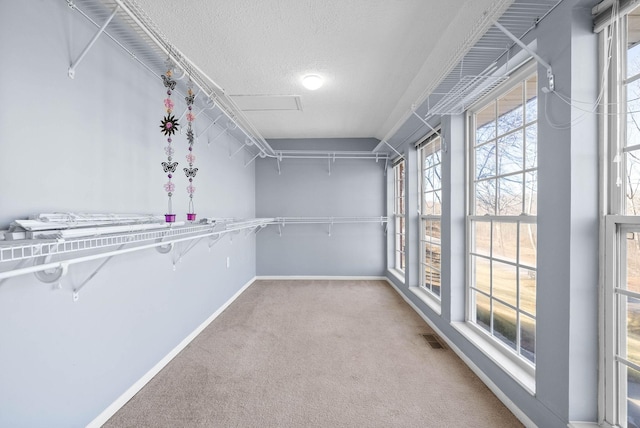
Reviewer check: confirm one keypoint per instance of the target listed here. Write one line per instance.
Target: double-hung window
(620, 367)
(431, 211)
(399, 217)
(501, 225)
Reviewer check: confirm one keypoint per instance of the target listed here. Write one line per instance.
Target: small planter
(170, 218)
(191, 216)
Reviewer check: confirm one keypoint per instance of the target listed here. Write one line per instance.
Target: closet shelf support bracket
(94, 39)
(527, 49)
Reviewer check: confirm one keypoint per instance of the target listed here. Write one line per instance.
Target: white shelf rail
(78, 250)
(281, 222)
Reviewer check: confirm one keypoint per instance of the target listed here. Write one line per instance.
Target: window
(501, 227)
(398, 214)
(431, 210)
(620, 369)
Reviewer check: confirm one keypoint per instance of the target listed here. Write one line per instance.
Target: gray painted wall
(92, 144)
(305, 189)
(567, 299)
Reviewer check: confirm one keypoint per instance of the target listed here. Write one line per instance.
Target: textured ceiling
(376, 56)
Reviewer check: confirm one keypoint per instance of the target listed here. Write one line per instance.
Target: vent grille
(433, 341)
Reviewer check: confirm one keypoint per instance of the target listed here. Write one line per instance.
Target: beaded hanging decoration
(191, 158)
(169, 126)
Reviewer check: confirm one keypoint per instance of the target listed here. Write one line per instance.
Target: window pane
(432, 268)
(510, 153)
(481, 243)
(504, 324)
(437, 181)
(510, 195)
(531, 152)
(510, 110)
(633, 330)
(486, 124)
(528, 338)
(482, 274)
(437, 202)
(432, 231)
(485, 197)
(504, 282)
(505, 241)
(528, 244)
(633, 397)
(633, 54)
(428, 180)
(486, 161)
(531, 88)
(429, 204)
(633, 262)
(531, 193)
(483, 311)
(527, 301)
(632, 183)
(633, 113)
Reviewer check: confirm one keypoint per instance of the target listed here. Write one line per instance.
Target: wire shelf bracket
(94, 39)
(75, 250)
(530, 51)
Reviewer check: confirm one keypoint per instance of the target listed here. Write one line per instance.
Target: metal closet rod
(321, 154)
(326, 220)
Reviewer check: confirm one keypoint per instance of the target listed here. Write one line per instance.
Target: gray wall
(567, 296)
(92, 144)
(305, 189)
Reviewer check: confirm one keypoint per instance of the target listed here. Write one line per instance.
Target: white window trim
(612, 403)
(397, 253)
(427, 296)
(520, 369)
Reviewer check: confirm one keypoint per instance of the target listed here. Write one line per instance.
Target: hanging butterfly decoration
(168, 81)
(191, 158)
(190, 172)
(168, 126)
(169, 166)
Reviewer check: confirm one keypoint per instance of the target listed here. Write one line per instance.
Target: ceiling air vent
(268, 102)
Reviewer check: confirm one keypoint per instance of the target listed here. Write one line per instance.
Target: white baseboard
(492, 386)
(584, 425)
(319, 277)
(136, 387)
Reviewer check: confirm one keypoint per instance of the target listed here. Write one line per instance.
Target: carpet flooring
(315, 354)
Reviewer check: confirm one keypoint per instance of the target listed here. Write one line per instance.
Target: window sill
(397, 274)
(431, 301)
(520, 371)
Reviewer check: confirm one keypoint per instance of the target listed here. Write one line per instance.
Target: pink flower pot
(170, 218)
(191, 216)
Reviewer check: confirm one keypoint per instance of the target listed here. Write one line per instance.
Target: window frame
(616, 223)
(399, 208)
(427, 143)
(517, 77)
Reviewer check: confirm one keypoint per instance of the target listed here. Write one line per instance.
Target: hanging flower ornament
(168, 126)
(191, 158)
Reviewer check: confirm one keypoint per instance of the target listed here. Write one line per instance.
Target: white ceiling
(376, 56)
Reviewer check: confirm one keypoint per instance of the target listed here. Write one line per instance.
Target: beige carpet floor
(315, 354)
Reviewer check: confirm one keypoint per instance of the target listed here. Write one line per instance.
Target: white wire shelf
(77, 250)
(329, 220)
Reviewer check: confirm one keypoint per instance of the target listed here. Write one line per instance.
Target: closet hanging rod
(310, 154)
(328, 220)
